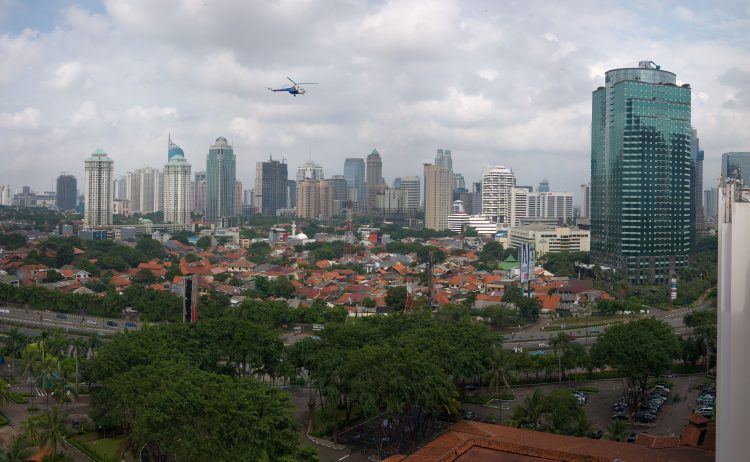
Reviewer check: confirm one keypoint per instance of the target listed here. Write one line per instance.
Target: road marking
(344, 457)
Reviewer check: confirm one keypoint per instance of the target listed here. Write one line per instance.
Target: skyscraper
(145, 190)
(459, 182)
(291, 194)
(173, 149)
(309, 171)
(199, 193)
(555, 206)
(340, 193)
(586, 200)
(412, 192)
(640, 173)
(67, 188)
(476, 199)
(438, 195)
(497, 183)
(544, 185)
(711, 202)
(375, 183)
(354, 172)
(315, 198)
(736, 165)
(98, 170)
(177, 191)
(220, 184)
(443, 159)
(696, 177)
(271, 185)
(238, 198)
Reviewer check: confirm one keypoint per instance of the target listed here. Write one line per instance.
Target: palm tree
(79, 345)
(559, 344)
(501, 370)
(4, 393)
(530, 410)
(30, 430)
(47, 373)
(19, 451)
(52, 431)
(616, 430)
(15, 342)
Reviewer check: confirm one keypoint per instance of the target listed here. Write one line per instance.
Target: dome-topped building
(173, 149)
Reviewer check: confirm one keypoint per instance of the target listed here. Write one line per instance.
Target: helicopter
(294, 89)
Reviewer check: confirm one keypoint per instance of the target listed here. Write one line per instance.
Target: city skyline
(490, 107)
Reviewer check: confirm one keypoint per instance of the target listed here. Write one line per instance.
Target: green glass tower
(641, 174)
(220, 184)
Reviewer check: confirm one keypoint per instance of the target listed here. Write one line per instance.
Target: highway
(69, 322)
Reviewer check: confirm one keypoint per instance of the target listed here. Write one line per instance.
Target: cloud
(496, 82)
(66, 75)
(26, 119)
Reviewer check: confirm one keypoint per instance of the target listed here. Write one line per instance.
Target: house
(32, 273)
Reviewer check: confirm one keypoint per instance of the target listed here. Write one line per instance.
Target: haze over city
(495, 84)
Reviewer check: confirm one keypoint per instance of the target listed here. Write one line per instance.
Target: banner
(527, 261)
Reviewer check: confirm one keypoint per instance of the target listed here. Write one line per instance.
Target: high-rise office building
(711, 203)
(354, 172)
(733, 375)
(696, 180)
(543, 186)
(238, 198)
(459, 183)
(6, 194)
(546, 206)
(315, 199)
(412, 192)
(586, 200)
(736, 165)
(640, 173)
(145, 190)
(67, 192)
(309, 171)
(497, 183)
(340, 193)
(177, 189)
(291, 194)
(199, 193)
(173, 150)
(271, 186)
(476, 199)
(390, 200)
(443, 159)
(438, 195)
(120, 190)
(98, 170)
(374, 168)
(220, 184)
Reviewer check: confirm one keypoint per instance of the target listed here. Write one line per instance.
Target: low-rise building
(551, 238)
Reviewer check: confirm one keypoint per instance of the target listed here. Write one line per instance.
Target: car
(4, 310)
(631, 438)
(470, 415)
(669, 375)
(112, 323)
(91, 321)
(62, 316)
(101, 334)
(543, 345)
(597, 435)
(130, 324)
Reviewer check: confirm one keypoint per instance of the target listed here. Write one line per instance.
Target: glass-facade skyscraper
(641, 173)
(354, 172)
(220, 184)
(67, 192)
(736, 165)
(271, 186)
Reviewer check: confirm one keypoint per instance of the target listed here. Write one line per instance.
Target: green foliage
(396, 298)
(144, 276)
(492, 253)
(259, 252)
(281, 287)
(563, 263)
(151, 248)
(557, 412)
(182, 237)
(204, 242)
(616, 430)
(398, 232)
(367, 302)
(423, 251)
(12, 241)
(637, 350)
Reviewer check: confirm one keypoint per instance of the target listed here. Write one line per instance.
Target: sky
(504, 83)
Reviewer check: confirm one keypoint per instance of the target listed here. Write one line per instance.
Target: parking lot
(670, 420)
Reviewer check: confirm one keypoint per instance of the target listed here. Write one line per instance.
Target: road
(534, 338)
(69, 322)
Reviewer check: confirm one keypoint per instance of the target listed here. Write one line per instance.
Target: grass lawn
(106, 448)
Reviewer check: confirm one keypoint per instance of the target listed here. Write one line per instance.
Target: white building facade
(546, 205)
(98, 172)
(551, 238)
(177, 191)
(733, 377)
(497, 183)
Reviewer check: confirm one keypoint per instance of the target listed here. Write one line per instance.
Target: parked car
(130, 325)
(62, 316)
(91, 321)
(597, 435)
(631, 438)
(112, 323)
(4, 310)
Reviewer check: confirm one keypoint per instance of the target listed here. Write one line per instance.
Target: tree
(151, 248)
(564, 415)
(638, 350)
(52, 429)
(530, 411)
(501, 370)
(203, 242)
(616, 430)
(396, 298)
(367, 302)
(282, 287)
(559, 344)
(144, 276)
(4, 393)
(19, 451)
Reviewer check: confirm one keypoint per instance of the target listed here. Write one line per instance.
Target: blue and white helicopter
(294, 89)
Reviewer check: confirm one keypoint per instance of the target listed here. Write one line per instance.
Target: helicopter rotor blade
(292, 80)
(307, 83)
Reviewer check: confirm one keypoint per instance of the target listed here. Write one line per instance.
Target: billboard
(527, 261)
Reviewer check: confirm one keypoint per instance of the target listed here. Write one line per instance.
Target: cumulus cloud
(22, 120)
(496, 82)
